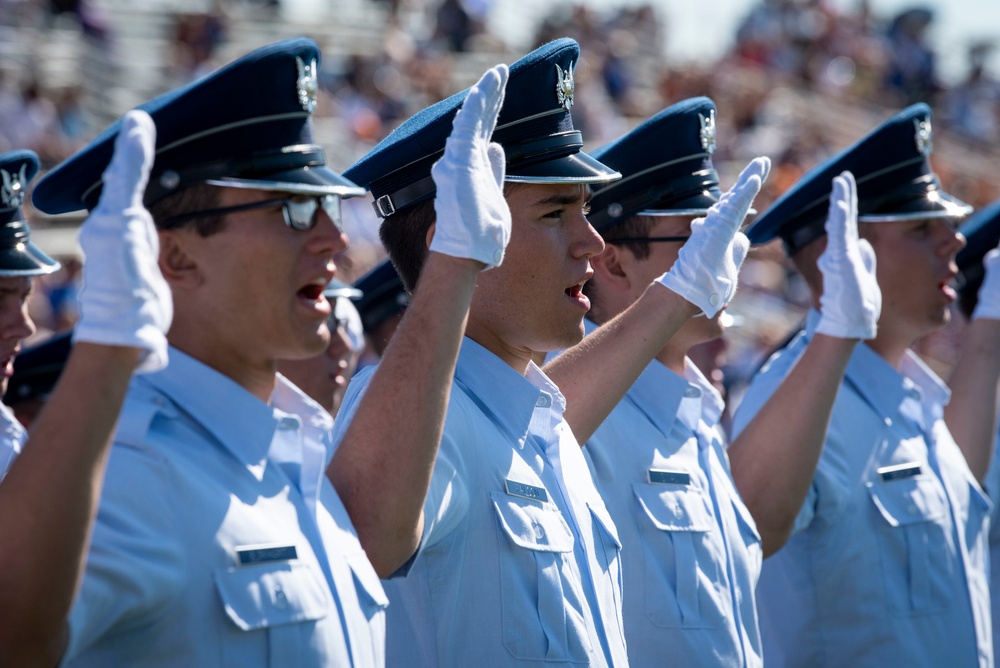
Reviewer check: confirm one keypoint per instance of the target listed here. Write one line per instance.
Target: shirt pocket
(542, 597)
(682, 553)
(915, 544)
(373, 602)
(277, 605)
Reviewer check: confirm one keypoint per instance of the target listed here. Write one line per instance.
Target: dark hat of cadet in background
(247, 125)
(666, 166)
(982, 233)
(18, 256)
(37, 369)
(534, 127)
(894, 177)
(384, 296)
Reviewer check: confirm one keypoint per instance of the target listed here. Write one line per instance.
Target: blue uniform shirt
(12, 438)
(519, 560)
(690, 549)
(887, 562)
(992, 487)
(219, 540)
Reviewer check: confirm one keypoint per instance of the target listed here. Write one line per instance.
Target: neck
(256, 376)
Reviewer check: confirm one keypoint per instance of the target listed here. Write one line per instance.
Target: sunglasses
(299, 211)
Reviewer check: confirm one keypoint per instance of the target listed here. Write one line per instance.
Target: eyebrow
(565, 199)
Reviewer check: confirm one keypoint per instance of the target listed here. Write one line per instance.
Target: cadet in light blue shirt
(887, 564)
(519, 561)
(691, 552)
(220, 538)
(979, 292)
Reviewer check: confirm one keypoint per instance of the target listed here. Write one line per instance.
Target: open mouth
(575, 294)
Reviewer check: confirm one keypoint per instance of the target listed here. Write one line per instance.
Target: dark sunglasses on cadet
(299, 211)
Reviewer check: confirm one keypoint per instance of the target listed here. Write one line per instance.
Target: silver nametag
(526, 491)
(898, 471)
(665, 477)
(261, 554)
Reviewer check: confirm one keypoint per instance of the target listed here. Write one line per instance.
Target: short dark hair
(404, 235)
(199, 197)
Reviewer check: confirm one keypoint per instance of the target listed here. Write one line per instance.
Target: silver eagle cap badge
(307, 84)
(707, 132)
(924, 136)
(565, 86)
(12, 192)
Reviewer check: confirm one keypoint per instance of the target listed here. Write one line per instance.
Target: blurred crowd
(800, 81)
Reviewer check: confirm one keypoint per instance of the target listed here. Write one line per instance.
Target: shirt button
(497, 256)
(539, 530)
(714, 299)
(692, 393)
(280, 599)
(678, 511)
(888, 422)
(544, 401)
(287, 423)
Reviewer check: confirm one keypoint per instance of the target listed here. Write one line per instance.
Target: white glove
(851, 301)
(473, 220)
(988, 305)
(125, 301)
(708, 264)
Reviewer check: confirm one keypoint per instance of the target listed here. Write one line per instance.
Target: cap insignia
(564, 86)
(707, 133)
(307, 84)
(12, 192)
(924, 136)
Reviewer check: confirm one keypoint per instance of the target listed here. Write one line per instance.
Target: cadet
(519, 561)
(978, 297)
(887, 561)
(691, 551)
(48, 498)
(219, 539)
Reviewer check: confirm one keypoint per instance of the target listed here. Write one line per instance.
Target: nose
(953, 240)
(326, 235)
(340, 345)
(589, 243)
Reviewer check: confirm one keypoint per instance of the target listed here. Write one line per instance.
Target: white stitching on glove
(125, 301)
(708, 264)
(988, 305)
(473, 220)
(851, 300)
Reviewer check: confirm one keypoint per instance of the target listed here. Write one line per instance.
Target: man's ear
(178, 266)
(430, 234)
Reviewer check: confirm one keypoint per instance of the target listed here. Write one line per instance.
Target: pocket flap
(909, 501)
(532, 524)
(272, 594)
(674, 508)
(367, 583)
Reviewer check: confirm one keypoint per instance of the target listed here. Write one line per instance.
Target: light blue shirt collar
(507, 397)
(241, 422)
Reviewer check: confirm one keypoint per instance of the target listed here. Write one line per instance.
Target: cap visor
(574, 168)
(26, 260)
(305, 180)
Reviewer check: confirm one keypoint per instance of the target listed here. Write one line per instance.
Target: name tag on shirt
(898, 471)
(526, 491)
(261, 554)
(665, 477)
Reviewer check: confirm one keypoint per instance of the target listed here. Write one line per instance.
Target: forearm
(383, 466)
(971, 415)
(49, 499)
(595, 374)
(774, 459)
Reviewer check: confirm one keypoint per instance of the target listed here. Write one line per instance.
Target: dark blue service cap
(18, 256)
(895, 182)
(666, 166)
(247, 125)
(534, 127)
(37, 369)
(384, 295)
(982, 233)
